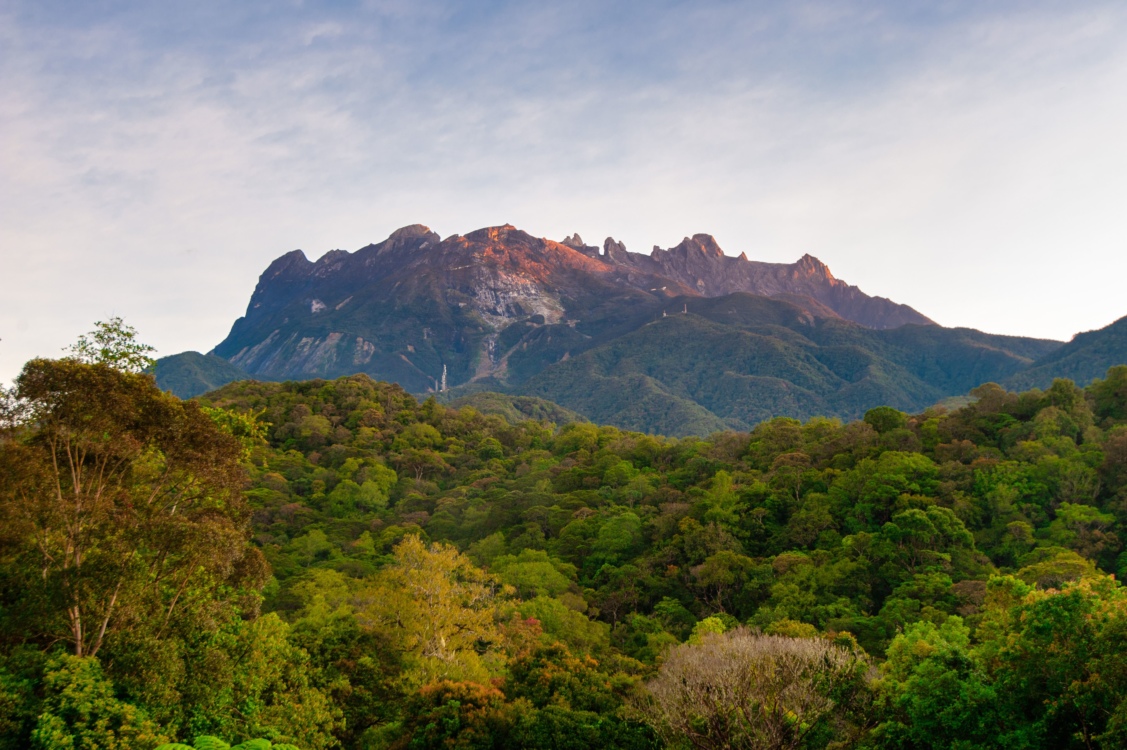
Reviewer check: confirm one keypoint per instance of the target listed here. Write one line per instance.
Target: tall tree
(437, 607)
(117, 502)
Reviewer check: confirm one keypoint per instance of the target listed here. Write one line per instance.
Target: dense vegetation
(403, 574)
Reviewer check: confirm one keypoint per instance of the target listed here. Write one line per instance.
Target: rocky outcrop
(699, 262)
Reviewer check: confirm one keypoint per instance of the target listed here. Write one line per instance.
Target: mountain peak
(813, 267)
(574, 241)
(293, 263)
(498, 234)
(707, 244)
(411, 232)
(699, 244)
(331, 256)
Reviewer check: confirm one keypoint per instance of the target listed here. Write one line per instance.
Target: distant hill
(190, 373)
(1087, 357)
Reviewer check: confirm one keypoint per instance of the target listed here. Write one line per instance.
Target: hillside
(514, 409)
(1083, 359)
(190, 373)
(735, 361)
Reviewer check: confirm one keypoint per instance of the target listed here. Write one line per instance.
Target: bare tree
(742, 689)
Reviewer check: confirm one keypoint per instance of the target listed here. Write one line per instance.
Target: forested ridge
(335, 564)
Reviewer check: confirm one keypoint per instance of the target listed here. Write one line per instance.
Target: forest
(335, 564)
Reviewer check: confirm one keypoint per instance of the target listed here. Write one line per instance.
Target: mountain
(190, 373)
(1087, 357)
(410, 306)
(682, 341)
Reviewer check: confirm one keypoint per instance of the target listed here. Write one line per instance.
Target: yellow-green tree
(438, 608)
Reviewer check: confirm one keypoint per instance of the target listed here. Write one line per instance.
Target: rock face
(404, 308)
(498, 304)
(698, 262)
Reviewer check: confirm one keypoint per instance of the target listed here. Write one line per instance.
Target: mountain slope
(1087, 357)
(733, 361)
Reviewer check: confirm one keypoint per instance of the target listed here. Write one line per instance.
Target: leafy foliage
(113, 343)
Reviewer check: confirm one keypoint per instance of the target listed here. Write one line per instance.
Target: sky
(965, 157)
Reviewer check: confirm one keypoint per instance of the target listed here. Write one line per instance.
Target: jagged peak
(574, 241)
(812, 265)
(708, 245)
(613, 249)
(294, 260)
(499, 233)
(705, 244)
(332, 255)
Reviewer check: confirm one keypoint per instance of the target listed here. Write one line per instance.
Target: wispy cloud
(963, 157)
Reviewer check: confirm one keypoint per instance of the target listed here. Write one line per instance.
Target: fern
(207, 742)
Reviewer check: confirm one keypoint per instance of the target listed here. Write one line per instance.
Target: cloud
(962, 157)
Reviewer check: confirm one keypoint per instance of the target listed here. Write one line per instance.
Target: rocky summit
(413, 305)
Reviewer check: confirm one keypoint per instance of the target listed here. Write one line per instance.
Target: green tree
(115, 344)
(118, 502)
(81, 712)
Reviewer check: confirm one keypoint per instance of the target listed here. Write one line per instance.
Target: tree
(115, 344)
(935, 693)
(117, 502)
(437, 607)
(80, 711)
(741, 689)
(463, 715)
(885, 419)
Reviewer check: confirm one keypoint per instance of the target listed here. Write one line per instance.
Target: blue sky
(965, 158)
